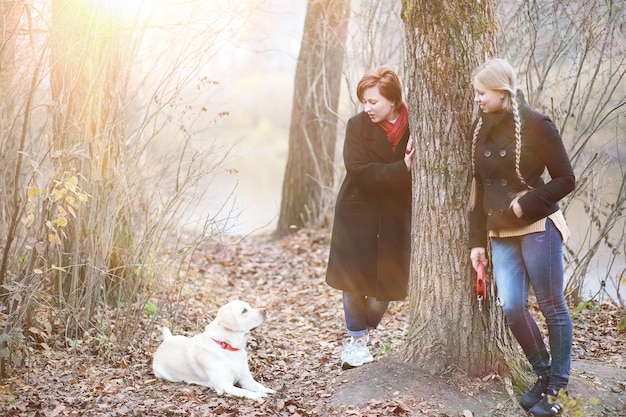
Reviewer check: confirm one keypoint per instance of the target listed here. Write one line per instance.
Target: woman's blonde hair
(497, 74)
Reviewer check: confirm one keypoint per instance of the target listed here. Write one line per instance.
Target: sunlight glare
(126, 10)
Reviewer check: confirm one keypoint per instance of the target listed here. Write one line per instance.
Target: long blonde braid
(518, 151)
(473, 191)
(518, 139)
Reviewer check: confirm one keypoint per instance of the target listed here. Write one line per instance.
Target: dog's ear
(226, 318)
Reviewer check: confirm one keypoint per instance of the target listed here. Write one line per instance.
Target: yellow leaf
(83, 197)
(33, 192)
(70, 184)
(37, 271)
(28, 220)
(58, 268)
(61, 221)
(52, 238)
(70, 200)
(58, 194)
(62, 211)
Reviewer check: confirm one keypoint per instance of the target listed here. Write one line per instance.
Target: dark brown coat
(371, 237)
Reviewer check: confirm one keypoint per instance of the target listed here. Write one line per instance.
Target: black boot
(548, 406)
(535, 394)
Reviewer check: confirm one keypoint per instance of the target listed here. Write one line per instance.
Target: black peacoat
(371, 236)
(497, 183)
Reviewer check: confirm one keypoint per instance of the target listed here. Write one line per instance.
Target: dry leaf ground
(295, 352)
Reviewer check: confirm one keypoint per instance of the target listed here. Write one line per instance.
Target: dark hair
(387, 81)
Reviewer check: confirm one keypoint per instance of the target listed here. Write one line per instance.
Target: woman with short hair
(371, 237)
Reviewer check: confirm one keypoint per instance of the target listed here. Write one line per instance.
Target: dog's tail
(166, 333)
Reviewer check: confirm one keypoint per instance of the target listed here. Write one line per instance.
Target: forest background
(134, 135)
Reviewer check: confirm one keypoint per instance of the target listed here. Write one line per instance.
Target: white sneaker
(355, 354)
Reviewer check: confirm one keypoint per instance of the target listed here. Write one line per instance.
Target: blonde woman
(514, 208)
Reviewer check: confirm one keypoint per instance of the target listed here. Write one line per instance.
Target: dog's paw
(245, 393)
(257, 387)
(256, 395)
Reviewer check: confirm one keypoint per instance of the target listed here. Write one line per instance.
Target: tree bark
(445, 42)
(309, 174)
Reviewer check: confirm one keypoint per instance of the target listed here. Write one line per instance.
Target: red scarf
(395, 131)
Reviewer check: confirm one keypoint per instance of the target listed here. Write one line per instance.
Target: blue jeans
(536, 259)
(362, 313)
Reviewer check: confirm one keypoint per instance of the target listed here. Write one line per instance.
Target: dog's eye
(244, 311)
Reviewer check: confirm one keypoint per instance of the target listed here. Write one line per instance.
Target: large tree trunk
(445, 42)
(309, 173)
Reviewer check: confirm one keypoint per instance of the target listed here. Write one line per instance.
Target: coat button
(487, 153)
(503, 152)
(489, 212)
(488, 182)
(503, 182)
(500, 212)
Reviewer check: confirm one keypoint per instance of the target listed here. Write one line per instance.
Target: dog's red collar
(225, 345)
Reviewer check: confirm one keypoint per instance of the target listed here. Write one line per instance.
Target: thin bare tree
(309, 174)
(375, 38)
(571, 57)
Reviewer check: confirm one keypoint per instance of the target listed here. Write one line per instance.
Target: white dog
(217, 357)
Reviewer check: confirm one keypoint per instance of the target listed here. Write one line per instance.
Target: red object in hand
(480, 285)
